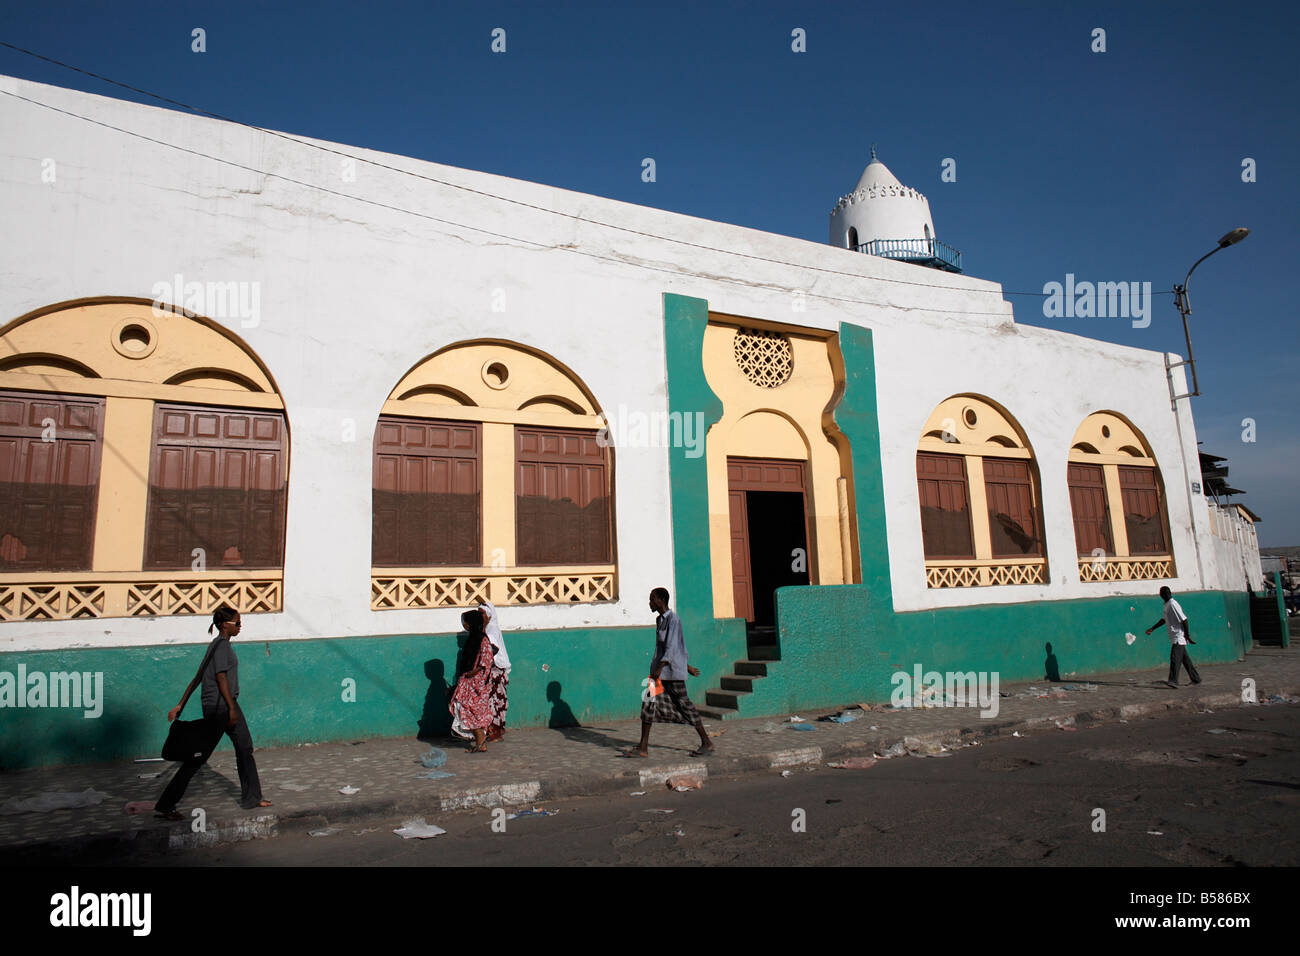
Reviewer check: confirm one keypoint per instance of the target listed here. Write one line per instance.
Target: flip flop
(702, 752)
(634, 753)
(169, 815)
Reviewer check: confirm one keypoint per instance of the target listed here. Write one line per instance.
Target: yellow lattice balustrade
(393, 592)
(79, 596)
(979, 573)
(1150, 568)
(560, 589)
(407, 588)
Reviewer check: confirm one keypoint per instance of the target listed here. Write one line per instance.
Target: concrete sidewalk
(532, 766)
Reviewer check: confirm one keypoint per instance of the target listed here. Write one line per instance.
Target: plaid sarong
(673, 706)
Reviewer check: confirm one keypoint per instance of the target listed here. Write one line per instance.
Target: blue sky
(1117, 166)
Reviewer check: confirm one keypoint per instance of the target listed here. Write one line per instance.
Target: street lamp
(1184, 305)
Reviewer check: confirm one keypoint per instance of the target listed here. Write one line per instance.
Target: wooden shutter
(1143, 514)
(217, 482)
(1088, 506)
(50, 447)
(426, 507)
(1014, 527)
(945, 506)
(562, 513)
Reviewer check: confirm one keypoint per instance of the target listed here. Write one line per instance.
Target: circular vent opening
(496, 375)
(765, 358)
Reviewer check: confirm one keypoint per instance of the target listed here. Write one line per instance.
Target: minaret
(882, 217)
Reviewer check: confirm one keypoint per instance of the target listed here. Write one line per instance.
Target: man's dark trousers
(250, 785)
(1179, 657)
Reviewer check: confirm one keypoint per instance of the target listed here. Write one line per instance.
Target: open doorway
(769, 536)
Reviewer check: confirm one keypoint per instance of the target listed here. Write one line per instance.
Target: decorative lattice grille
(765, 357)
(985, 574)
(1125, 569)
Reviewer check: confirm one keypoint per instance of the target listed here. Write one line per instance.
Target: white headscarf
(502, 659)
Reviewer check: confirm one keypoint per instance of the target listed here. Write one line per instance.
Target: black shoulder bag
(194, 739)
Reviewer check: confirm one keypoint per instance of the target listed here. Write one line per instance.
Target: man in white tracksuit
(1179, 638)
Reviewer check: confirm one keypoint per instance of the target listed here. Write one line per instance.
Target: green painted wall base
(294, 691)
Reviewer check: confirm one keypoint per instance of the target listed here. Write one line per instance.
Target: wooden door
(742, 588)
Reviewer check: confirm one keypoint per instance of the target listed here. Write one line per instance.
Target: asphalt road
(1216, 789)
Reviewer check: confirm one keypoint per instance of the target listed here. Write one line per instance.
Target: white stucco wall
(1231, 553)
(353, 293)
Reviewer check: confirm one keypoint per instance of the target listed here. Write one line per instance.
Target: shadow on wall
(435, 718)
(561, 713)
(1052, 669)
(88, 741)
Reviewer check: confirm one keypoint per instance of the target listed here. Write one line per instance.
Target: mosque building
(352, 396)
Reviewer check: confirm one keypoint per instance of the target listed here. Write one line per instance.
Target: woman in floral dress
(471, 703)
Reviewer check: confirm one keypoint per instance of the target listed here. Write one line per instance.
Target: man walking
(1179, 638)
(671, 704)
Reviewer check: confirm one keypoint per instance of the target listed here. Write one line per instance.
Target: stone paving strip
(535, 765)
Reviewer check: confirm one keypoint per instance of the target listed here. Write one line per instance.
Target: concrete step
(717, 713)
(751, 668)
(723, 699)
(742, 683)
(764, 652)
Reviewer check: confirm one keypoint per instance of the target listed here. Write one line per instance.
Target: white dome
(880, 207)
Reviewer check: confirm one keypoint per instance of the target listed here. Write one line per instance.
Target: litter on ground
(854, 763)
(434, 759)
(534, 812)
(683, 782)
(802, 727)
(417, 829)
(660, 810)
(638, 793)
(435, 775)
(328, 831)
(54, 801)
(348, 791)
(148, 759)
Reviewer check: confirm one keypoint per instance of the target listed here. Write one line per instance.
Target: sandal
(169, 815)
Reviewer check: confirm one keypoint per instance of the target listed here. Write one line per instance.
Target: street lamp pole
(1184, 305)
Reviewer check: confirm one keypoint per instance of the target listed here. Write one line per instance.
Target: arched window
(981, 517)
(1121, 524)
(493, 480)
(853, 238)
(135, 481)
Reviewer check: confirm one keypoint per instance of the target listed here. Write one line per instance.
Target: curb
(263, 826)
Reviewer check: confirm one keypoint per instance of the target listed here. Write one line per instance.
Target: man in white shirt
(1179, 638)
